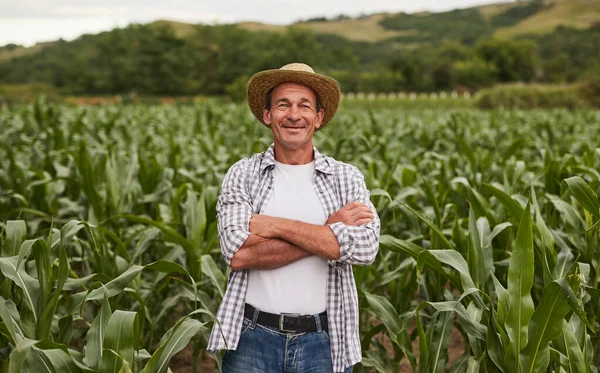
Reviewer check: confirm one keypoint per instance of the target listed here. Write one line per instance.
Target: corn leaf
(520, 281)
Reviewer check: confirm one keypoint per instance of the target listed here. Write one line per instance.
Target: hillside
(465, 25)
(367, 29)
(8, 52)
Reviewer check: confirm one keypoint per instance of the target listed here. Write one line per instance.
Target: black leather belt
(286, 322)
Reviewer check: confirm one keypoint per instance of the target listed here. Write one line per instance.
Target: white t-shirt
(299, 287)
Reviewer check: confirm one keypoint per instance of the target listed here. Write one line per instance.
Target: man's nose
(294, 113)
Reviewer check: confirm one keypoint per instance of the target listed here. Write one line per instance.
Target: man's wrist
(278, 226)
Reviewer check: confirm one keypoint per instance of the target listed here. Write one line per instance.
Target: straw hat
(327, 89)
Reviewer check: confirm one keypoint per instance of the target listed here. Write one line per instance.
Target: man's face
(293, 117)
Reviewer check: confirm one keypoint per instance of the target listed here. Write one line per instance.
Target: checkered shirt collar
(321, 162)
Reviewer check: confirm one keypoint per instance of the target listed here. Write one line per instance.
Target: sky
(26, 22)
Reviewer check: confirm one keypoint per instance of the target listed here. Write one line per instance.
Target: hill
(505, 20)
(10, 51)
(367, 28)
(462, 49)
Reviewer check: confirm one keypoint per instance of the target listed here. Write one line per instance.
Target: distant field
(22, 51)
(364, 29)
(572, 13)
(181, 29)
(488, 11)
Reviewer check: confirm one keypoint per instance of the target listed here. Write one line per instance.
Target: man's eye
(283, 106)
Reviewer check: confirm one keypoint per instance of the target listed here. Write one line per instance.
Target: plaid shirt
(246, 189)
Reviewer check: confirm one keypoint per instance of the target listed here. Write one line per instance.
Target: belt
(287, 322)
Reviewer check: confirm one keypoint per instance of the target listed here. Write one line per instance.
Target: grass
(488, 11)
(6, 56)
(365, 29)
(181, 28)
(572, 13)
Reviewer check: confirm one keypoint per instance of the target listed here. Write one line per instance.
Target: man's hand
(354, 213)
(263, 225)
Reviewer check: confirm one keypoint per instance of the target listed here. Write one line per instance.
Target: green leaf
(30, 288)
(122, 335)
(398, 245)
(431, 225)
(456, 261)
(471, 326)
(96, 333)
(573, 351)
(9, 322)
(171, 343)
(376, 361)
(119, 283)
(583, 194)
(76, 283)
(41, 255)
(479, 204)
(194, 218)
(385, 312)
(144, 242)
(65, 330)
(68, 231)
(16, 233)
(512, 206)
(19, 354)
(569, 213)
(481, 260)
(114, 287)
(210, 269)
(170, 234)
(48, 311)
(61, 361)
(497, 230)
(520, 281)
(503, 302)
(439, 331)
(495, 349)
(544, 326)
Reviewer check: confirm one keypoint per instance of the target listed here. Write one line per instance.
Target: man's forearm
(266, 253)
(318, 239)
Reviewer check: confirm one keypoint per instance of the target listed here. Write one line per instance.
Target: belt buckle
(281, 318)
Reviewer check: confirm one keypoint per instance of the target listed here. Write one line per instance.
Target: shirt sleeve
(358, 244)
(234, 210)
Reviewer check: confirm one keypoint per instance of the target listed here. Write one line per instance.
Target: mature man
(292, 222)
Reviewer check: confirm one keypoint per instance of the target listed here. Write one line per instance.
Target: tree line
(217, 60)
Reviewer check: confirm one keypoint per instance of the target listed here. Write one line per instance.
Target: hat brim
(327, 89)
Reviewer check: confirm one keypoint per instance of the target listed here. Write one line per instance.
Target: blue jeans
(264, 350)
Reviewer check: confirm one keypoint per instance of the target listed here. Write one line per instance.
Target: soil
(182, 362)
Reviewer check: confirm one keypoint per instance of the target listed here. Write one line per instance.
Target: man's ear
(319, 119)
(267, 117)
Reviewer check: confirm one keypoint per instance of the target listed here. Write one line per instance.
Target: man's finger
(360, 210)
(354, 205)
(362, 215)
(362, 221)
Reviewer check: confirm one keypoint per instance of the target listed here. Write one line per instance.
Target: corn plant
(490, 234)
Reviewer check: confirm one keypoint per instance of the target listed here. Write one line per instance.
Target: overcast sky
(29, 21)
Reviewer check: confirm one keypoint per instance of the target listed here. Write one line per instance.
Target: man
(292, 222)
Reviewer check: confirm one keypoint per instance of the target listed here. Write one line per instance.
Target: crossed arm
(351, 234)
(275, 242)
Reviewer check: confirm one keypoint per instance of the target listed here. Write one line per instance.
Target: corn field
(110, 260)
